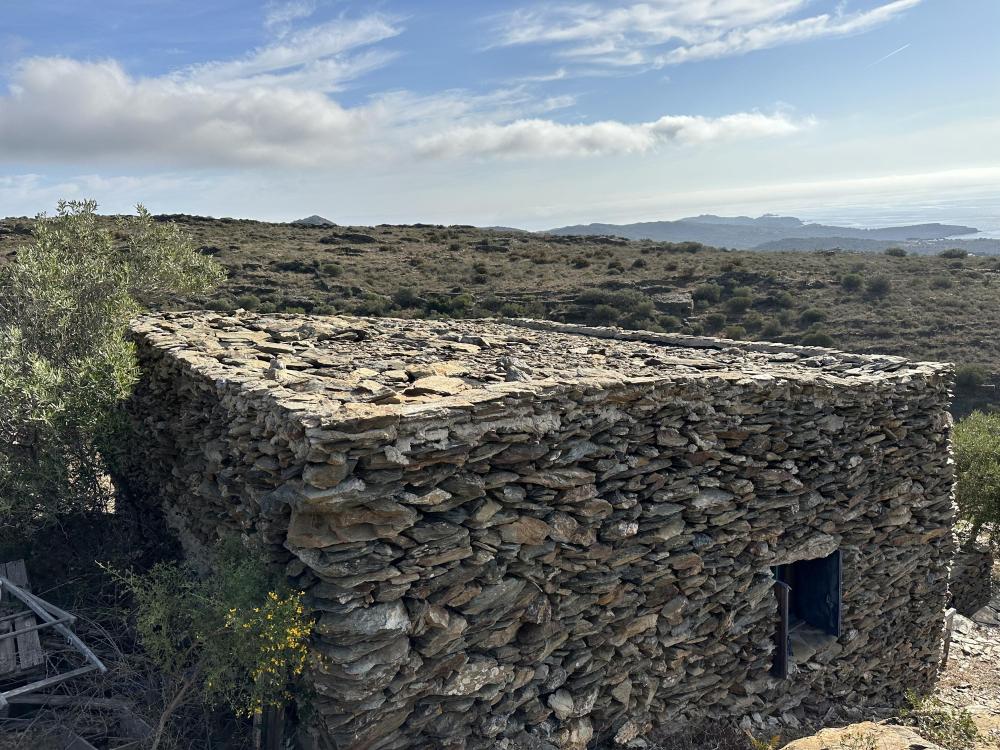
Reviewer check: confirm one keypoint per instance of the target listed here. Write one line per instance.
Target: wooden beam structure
(22, 658)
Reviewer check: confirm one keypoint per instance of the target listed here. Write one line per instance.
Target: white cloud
(185, 120)
(317, 57)
(272, 107)
(278, 17)
(162, 121)
(669, 32)
(741, 41)
(269, 107)
(546, 138)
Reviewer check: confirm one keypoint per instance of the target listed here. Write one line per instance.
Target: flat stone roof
(386, 361)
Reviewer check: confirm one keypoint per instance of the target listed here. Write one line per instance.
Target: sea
(983, 213)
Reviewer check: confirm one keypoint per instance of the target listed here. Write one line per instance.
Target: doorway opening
(809, 604)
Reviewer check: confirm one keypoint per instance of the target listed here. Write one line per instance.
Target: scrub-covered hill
(923, 307)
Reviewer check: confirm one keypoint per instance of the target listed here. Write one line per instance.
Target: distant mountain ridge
(314, 221)
(763, 232)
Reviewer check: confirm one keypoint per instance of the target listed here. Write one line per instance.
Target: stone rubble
(972, 673)
(524, 529)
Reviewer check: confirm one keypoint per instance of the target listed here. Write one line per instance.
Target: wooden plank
(949, 630)
(17, 573)
(29, 647)
(779, 668)
(38, 607)
(47, 682)
(34, 626)
(8, 657)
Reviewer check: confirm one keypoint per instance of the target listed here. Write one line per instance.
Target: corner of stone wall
(971, 580)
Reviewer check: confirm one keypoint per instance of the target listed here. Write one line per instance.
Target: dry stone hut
(511, 528)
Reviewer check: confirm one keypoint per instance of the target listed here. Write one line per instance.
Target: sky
(517, 113)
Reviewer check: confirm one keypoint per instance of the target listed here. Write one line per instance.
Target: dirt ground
(971, 678)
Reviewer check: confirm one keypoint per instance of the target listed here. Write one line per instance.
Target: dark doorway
(808, 593)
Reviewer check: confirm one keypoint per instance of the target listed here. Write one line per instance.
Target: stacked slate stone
(972, 578)
(516, 531)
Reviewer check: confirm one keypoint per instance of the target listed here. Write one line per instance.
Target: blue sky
(523, 113)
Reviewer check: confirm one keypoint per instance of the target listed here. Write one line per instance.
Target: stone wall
(516, 530)
(971, 578)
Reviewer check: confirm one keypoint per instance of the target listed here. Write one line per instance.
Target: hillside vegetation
(922, 307)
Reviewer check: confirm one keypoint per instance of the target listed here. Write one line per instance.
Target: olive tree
(977, 459)
(65, 362)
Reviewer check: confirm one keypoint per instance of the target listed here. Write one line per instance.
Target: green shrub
(248, 301)
(738, 304)
(406, 297)
(811, 315)
(955, 253)
(454, 247)
(817, 338)
(236, 638)
(639, 263)
(976, 442)
(941, 282)
(65, 365)
(852, 282)
(714, 322)
(734, 332)
(950, 727)
(331, 269)
(670, 322)
(783, 300)
(581, 263)
(626, 303)
(772, 329)
(969, 377)
(895, 252)
(753, 322)
(878, 286)
(641, 311)
(710, 293)
(602, 315)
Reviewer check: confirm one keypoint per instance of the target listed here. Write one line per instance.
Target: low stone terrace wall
(512, 530)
